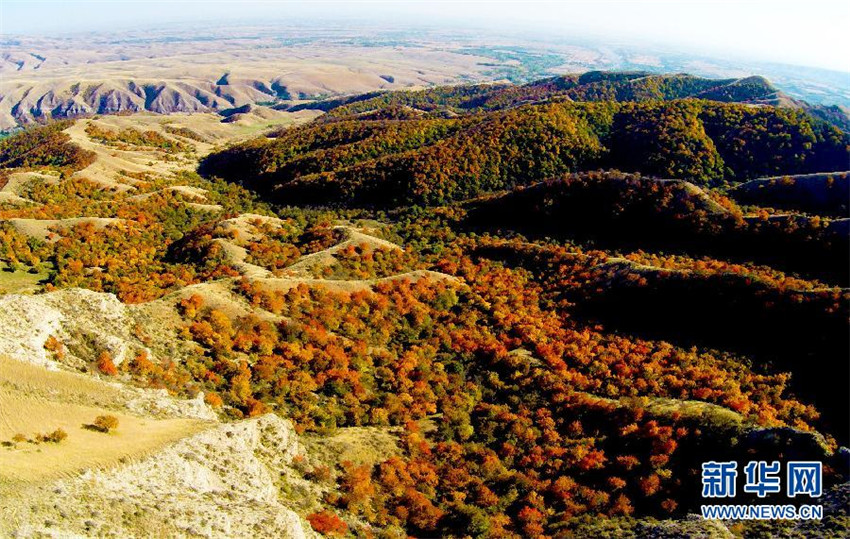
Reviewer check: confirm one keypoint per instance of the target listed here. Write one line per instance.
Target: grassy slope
(35, 401)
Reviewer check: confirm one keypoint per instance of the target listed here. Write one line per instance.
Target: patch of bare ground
(358, 445)
(43, 229)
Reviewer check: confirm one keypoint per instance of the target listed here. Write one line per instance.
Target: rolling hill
(445, 144)
(424, 313)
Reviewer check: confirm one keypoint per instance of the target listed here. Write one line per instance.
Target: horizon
(815, 37)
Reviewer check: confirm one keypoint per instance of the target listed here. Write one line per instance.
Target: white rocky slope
(74, 316)
(229, 481)
(86, 323)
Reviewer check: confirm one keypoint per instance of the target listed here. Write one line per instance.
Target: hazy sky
(804, 32)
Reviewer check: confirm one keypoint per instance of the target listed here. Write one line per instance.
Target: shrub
(214, 400)
(299, 462)
(320, 473)
(141, 365)
(105, 423)
(190, 306)
(55, 346)
(105, 364)
(327, 523)
(55, 437)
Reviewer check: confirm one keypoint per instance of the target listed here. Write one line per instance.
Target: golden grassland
(36, 401)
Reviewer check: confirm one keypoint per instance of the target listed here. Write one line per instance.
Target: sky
(808, 32)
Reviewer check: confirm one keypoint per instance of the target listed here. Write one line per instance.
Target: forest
(558, 297)
(45, 146)
(442, 145)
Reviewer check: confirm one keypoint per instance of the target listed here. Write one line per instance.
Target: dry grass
(359, 445)
(34, 400)
(20, 282)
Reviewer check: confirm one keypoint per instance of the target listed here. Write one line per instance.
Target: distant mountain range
(211, 71)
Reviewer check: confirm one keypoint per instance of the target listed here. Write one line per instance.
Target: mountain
(593, 86)
(589, 86)
(443, 144)
(215, 67)
(84, 75)
(46, 80)
(25, 103)
(824, 194)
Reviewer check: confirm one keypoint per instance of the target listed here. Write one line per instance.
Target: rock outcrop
(77, 318)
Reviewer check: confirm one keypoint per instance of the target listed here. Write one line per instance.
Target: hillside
(59, 77)
(827, 194)
(684, 247)
(413, 320)
(590, 86)
(446, 144)
(623, 211)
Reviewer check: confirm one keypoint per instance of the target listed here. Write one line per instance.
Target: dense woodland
(438, 146)
(45, 146)
(581, 341)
